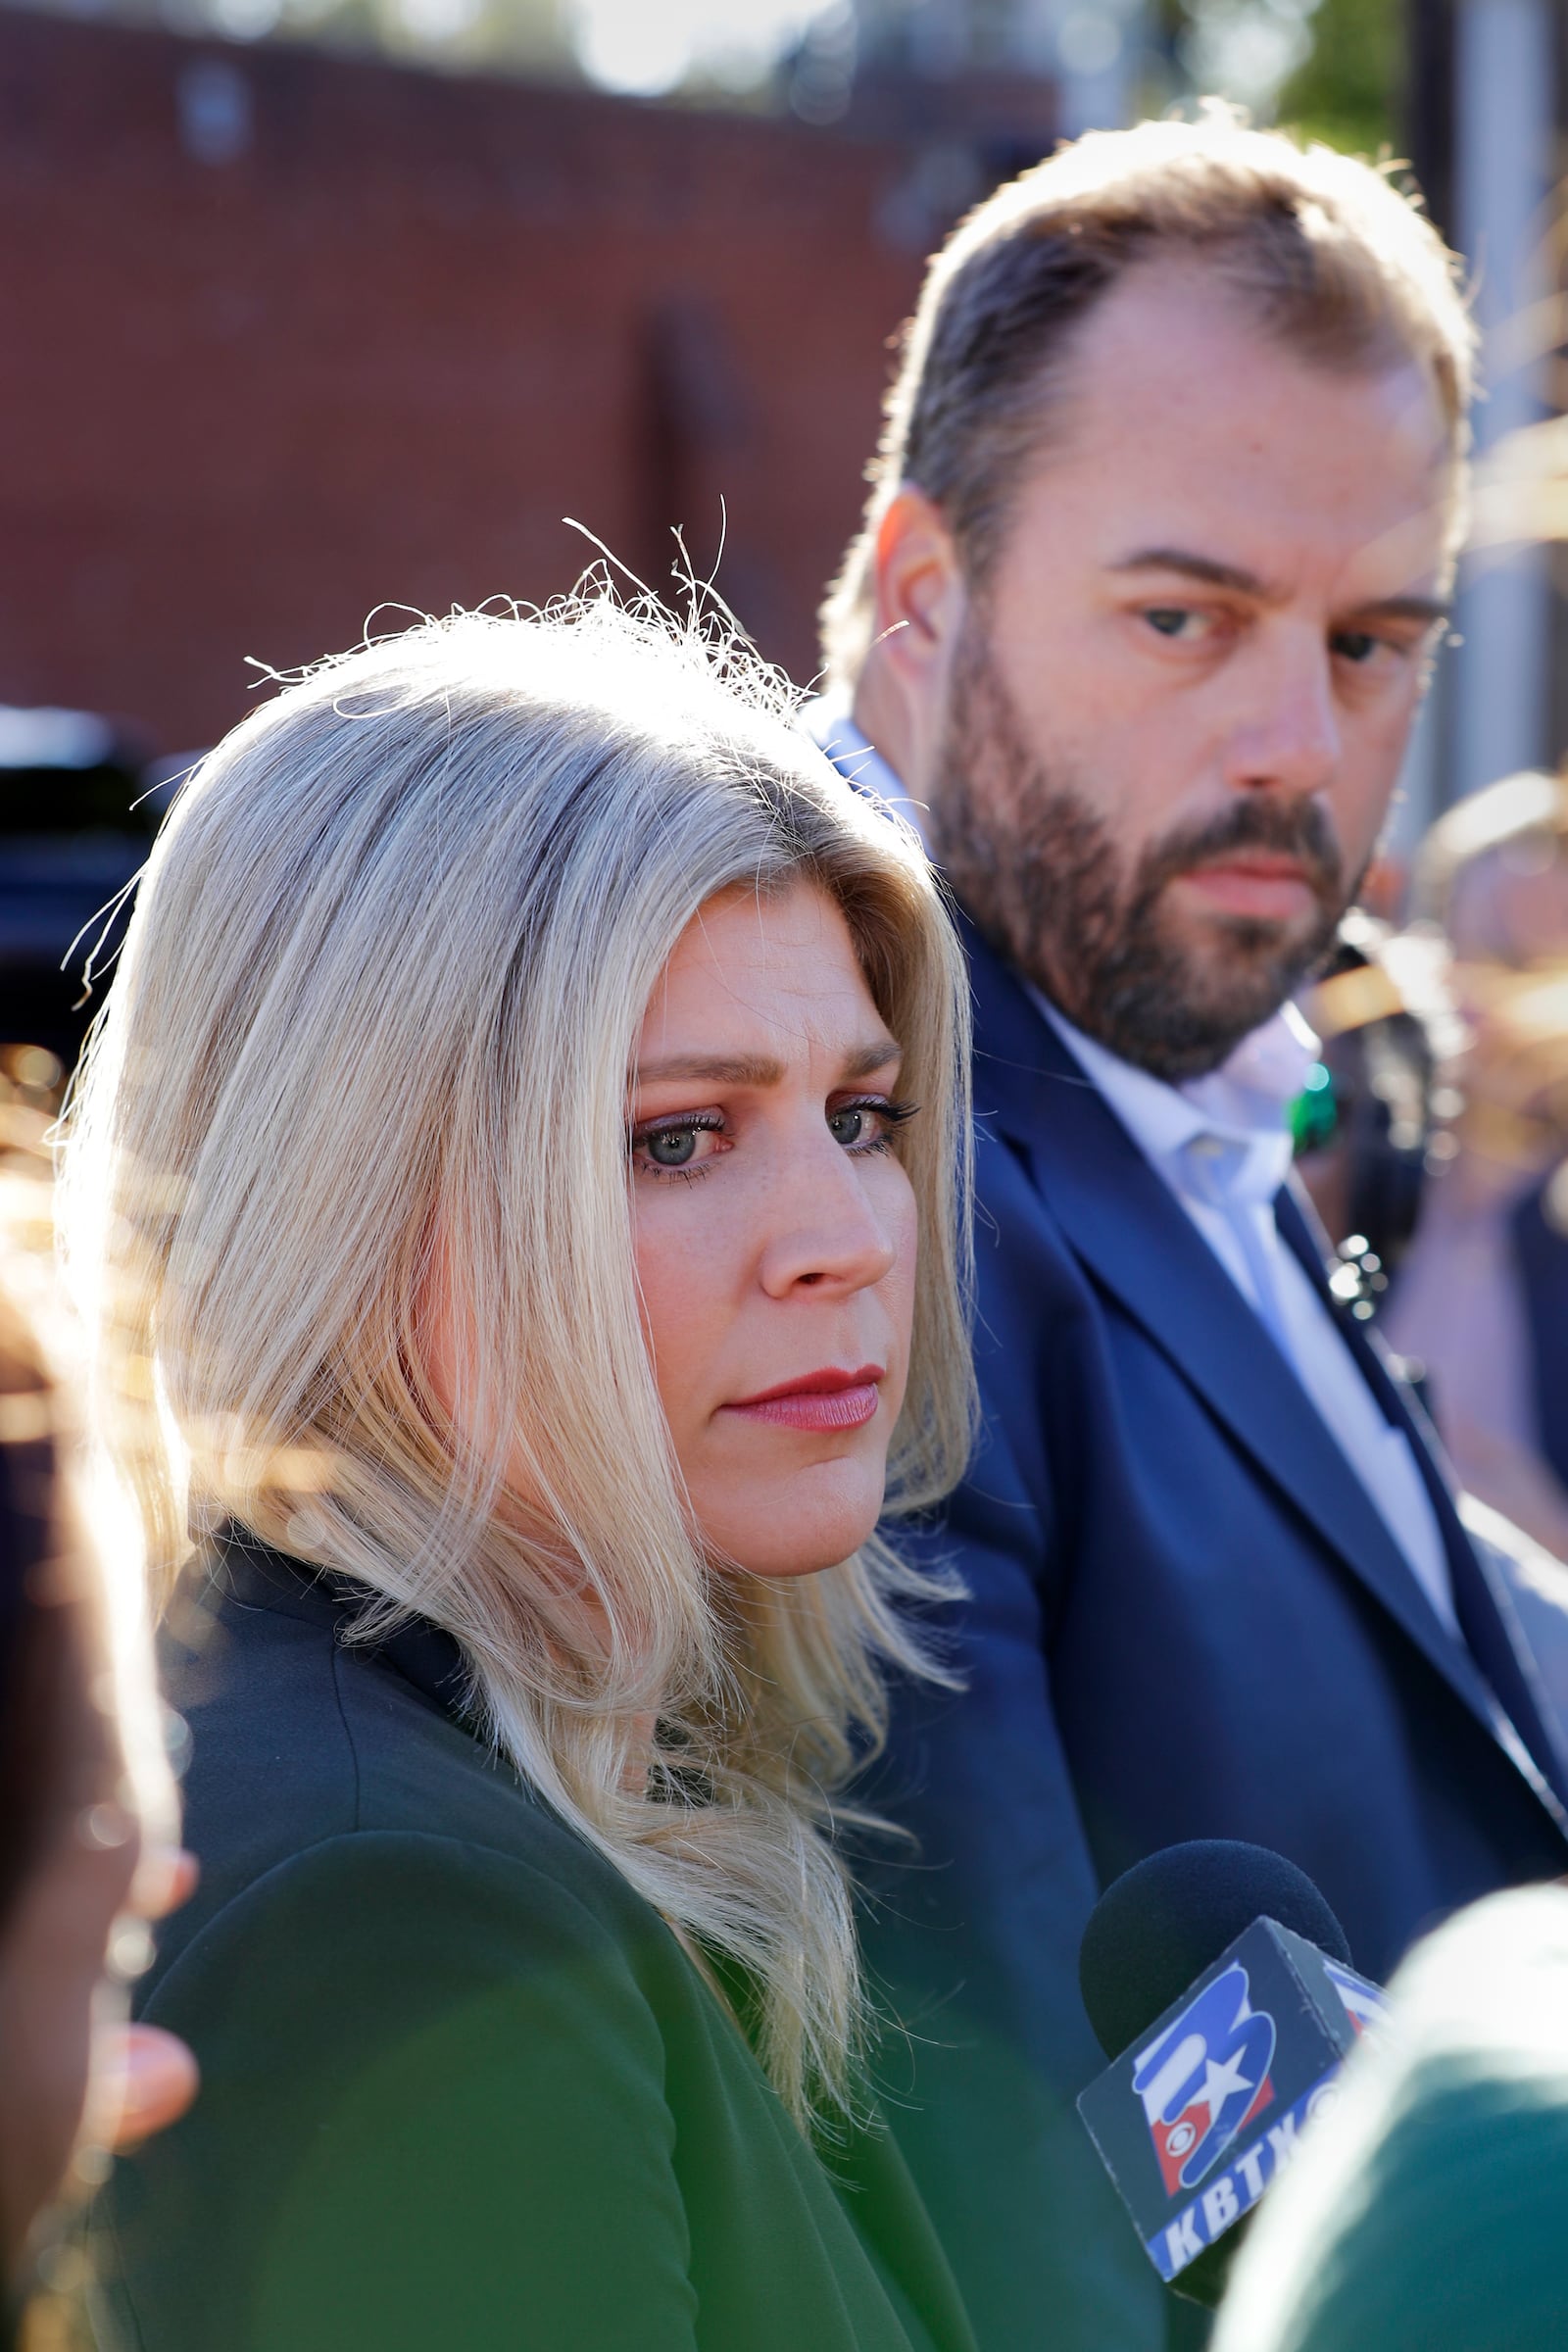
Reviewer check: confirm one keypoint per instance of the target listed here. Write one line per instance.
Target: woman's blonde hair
(378, 1006)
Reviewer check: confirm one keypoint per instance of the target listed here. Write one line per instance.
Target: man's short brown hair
(1325, 251)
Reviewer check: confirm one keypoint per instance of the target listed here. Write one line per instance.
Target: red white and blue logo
(1205, 2079)
(1364, 2003)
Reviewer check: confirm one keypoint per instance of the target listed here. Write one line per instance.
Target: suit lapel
(1130, 1233)
(1483, 1602)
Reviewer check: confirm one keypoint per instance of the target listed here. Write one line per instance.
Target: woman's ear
(920, 606)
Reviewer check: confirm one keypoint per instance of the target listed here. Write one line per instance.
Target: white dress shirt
(855, 756)
(1222, 1145)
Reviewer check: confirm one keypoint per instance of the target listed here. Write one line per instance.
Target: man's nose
(822, 1230)
(1287, 737)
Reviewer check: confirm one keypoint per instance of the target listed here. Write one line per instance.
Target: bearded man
(1158, 548)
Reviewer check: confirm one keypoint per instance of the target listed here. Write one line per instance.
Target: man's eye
(1173, 621)
(1356, 645)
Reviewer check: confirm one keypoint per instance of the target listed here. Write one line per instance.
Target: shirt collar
(1244, 1102)
(858, 759)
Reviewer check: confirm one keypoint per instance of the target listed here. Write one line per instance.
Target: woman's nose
(823, 1230)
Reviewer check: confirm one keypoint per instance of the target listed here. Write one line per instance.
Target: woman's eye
(683, 1148)
(672, 1147)
(849, 1126)
(867, 1126)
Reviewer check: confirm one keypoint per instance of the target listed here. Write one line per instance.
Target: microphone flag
(1197, 2117)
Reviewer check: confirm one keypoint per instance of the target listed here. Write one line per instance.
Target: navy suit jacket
(1185, 1618)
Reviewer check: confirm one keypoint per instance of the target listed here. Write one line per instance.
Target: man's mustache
(1295, 829)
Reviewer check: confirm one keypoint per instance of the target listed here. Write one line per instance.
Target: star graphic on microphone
(1218, 2083)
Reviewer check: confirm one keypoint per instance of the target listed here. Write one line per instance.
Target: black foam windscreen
(1156, 1929)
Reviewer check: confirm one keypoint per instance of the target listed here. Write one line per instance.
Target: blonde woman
(499, 1173)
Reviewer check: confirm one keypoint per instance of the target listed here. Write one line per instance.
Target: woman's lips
(821, 1401)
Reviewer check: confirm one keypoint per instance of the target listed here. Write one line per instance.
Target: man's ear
(902, 695)
(921, 595)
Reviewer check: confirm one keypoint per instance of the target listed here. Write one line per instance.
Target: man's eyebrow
(1427, 610)
(756, 1069)
(1194, 567)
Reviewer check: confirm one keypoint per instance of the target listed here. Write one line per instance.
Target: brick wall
(284, 336)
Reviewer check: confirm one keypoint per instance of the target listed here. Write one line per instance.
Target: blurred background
(310, 306)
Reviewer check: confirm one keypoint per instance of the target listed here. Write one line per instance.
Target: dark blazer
(1186, 1619)
(462, 2088)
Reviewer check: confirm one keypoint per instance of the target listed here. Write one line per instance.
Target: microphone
(1219, 1983)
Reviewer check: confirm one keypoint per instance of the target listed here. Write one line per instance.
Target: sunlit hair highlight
(378, 1006)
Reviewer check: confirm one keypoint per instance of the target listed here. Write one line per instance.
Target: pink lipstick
(829, 1400)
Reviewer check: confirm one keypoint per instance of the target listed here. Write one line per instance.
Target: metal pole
(1503, 135)
(1425, 130)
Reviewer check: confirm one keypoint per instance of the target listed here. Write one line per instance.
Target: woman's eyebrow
(713, 1070)
(871, 1057)
(757, 1069)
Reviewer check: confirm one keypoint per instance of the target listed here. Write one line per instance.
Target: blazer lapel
(1482, 1602)
(1126, 1228)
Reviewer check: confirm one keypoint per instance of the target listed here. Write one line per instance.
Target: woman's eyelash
(891, 1113)
(896, 1112)
(697, 1122)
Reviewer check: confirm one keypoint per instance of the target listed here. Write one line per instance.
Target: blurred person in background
(1424, 2210)
(1363, 1120)
(88, 1817)
(1158, 548)
(1481, 1300)
(501, 1167)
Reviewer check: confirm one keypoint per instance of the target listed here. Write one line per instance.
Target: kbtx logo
(1205, 2078)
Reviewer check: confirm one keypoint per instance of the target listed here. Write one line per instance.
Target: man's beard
(1038, 869)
